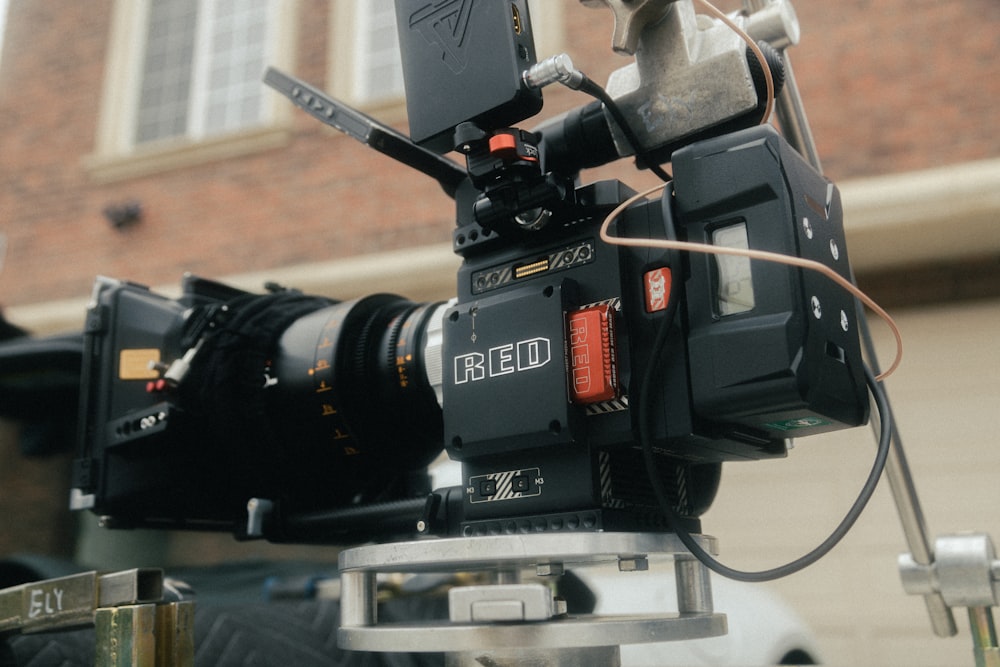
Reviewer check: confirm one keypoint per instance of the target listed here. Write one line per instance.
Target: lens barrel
(351, 393)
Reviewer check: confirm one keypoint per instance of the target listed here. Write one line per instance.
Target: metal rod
(788, 105)
(175, 634)
(124, 636)
(984, 637)
(911, 518)
(792, 116)
(694, 589)
(907, 502)
(358, 604)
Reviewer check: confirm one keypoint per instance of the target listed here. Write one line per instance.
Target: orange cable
(812, 265)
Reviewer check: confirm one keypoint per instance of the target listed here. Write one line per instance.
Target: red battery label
(592, 356)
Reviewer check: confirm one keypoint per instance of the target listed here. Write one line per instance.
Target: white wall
(946, 397)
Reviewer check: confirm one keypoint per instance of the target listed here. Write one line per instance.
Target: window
(201, 68)
(183, 82)
(377, 76)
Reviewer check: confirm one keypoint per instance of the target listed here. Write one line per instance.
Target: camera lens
(351, 392)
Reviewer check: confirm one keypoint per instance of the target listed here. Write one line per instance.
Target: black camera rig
(590, 386)
(297, 418)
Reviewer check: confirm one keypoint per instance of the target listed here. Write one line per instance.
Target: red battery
(592, 359)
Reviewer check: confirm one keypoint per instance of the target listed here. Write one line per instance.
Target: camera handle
(511, 623)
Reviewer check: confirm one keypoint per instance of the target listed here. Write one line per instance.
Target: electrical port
(531, 268)
(516, 16)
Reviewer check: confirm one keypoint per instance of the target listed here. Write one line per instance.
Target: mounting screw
(633, 564)
(817, 308)
(549, 569)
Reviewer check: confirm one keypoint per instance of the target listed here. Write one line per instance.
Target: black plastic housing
(462, 62)
(790, 366)
(730, 385)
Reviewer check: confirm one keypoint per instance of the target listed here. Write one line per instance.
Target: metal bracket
(631, 18)
(964, 572)
(690, 72)
(134, 625)
(498, 617)
(502, 603)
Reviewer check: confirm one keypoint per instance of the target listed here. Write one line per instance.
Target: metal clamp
(964, 572)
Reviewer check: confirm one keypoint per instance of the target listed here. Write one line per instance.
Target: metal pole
(792, 116)
(795, 127)
(984, 637)
(911, 518)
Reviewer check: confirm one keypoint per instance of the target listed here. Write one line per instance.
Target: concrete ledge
(422, 274)
(935, 216)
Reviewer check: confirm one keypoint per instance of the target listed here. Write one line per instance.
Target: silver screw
(549, 569)
(633, 564)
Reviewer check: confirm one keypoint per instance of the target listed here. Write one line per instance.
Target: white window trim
(199, 74)
(920, 207)
(342, 57)
(116, 156)
(3, 24)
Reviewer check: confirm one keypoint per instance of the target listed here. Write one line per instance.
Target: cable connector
(554, 69)
(179, 368)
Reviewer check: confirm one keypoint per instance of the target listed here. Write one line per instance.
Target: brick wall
(898, 85)
(892, 86)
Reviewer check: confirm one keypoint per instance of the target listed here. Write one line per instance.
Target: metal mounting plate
(503, 553)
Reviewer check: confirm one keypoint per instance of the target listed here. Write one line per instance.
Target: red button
(657, 287)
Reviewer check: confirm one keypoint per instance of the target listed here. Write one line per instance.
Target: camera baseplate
(514, 622)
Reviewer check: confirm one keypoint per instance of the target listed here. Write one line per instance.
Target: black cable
(593, 89)
(645, 408)
(696, 549)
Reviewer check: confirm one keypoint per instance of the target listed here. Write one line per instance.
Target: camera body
(540, 362)
(546, 346)
(299, 418)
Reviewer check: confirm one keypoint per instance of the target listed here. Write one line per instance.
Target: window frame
(117, 155)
